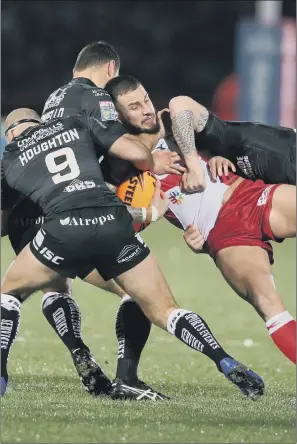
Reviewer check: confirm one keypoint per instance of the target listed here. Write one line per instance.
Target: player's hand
(220, 166)
(194, 239)
(165, 162)
(193, 180)
(160, 201)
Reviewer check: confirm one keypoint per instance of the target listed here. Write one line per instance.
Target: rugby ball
(138, 192)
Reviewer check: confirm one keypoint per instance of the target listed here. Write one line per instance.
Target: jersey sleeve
(102, 118)
(8, 196)
(213, 137)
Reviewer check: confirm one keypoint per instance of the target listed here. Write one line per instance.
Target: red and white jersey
(199, 209)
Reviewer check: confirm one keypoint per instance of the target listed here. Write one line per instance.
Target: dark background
(173, 47)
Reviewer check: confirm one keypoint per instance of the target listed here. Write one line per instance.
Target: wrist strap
(155, 214)
(144, 215)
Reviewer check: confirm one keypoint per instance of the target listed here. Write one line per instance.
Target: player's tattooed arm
(187, 118)
(183, 131)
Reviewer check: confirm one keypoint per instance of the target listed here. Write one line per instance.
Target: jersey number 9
(55, 168)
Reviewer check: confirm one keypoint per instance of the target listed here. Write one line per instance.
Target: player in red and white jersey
(237, 217)
(198, 209)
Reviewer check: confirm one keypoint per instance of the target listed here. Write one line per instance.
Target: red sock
(282, 329)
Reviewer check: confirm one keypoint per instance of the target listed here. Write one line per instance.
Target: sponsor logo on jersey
(40, 134)
(78, 185)
(79, 222)
(176, 197)
(28, 221)
(244, 164)
(53, 114)
(99, 93)
(56, 98)
(264, 196)
(108, 111)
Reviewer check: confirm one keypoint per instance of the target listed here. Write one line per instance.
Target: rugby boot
(91, 375)
(249, 383)
(137, 391)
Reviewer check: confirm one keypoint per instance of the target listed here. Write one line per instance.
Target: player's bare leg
(147, 285)
(26, 275)
(282, 217)
(248, 272)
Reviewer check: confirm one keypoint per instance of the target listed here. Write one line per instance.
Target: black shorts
(76, 242)
(24, 222)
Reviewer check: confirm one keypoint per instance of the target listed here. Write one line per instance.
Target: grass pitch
(45, 402)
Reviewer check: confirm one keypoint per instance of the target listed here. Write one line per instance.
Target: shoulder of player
(94, 93)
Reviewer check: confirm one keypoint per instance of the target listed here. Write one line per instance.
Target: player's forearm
(141, 215)
(187, 118)
(142, 159)
(134, 151)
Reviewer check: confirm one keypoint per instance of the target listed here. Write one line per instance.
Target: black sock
(10, 321)
(132, 330)
(63, 314)
(194, 331)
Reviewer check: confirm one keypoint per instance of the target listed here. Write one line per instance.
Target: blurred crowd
(174, 47)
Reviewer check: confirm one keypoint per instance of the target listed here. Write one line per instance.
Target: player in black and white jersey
(23, 223)
(257, 150)
(39, 162)
(95, 65)
(71, 169)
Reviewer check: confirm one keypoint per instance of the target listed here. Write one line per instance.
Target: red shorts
(244, 219)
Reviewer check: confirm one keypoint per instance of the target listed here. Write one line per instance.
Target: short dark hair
(96, 53)
(121, 85)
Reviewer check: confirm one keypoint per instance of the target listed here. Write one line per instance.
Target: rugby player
(236, 217)
(21, 223)
(259, 151)
(95, 218)
(95, 65)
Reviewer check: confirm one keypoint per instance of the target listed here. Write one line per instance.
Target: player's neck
(149, 140)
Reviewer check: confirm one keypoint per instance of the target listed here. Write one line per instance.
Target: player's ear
(111, 69)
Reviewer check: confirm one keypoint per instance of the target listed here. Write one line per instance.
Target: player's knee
(19, 293)
(62, 285)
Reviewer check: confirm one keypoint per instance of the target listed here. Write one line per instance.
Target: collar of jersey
(85, 81)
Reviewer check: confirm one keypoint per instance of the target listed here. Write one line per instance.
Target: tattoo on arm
(183, 131)
(136, 213)
(203, 118)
